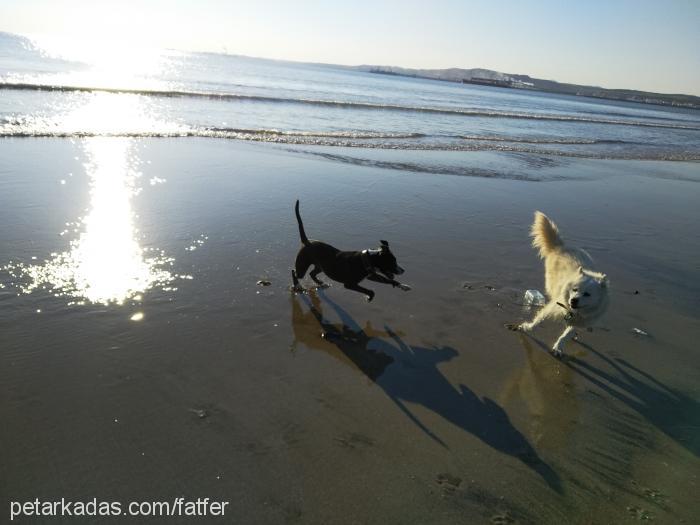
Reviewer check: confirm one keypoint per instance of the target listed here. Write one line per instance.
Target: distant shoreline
(524, 82)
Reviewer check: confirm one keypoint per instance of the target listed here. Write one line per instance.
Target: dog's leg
(358, 288)
(301, 265)
(385, 280)
(547, 311)
(313, 273)
(295, 283)
(567, 334)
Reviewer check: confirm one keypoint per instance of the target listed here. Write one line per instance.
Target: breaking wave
(465, 112)
(387, 141)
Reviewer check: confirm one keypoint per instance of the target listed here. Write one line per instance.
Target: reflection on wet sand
(410, 374)
(106, 263)
(544, 385)
(353, 342)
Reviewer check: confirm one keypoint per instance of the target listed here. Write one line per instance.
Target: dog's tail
(302, 233)
(545, 235)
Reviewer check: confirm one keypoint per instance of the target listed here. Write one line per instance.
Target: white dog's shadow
(671, 411)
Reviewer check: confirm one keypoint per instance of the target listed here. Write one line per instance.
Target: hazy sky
(642, 44)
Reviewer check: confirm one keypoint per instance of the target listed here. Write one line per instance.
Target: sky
(640, 44)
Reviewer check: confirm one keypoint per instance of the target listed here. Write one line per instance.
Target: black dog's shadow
(672, 412)
(352, 341)
(411, 374)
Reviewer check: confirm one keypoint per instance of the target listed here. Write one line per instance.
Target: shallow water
(318, 404)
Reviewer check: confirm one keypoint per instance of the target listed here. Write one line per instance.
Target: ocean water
(52, 90)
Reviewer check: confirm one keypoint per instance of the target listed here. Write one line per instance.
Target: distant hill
(509, 80)
(23, 46)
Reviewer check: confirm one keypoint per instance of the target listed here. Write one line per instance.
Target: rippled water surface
(50, 90)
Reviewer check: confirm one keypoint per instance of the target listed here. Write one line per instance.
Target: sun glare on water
(108, 63)
(93, 114)
(113, 114)
(106, 263)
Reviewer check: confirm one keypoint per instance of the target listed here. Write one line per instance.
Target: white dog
(576, 294)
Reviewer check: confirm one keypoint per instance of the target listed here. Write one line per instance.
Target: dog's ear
(385, 244)
(580, 270)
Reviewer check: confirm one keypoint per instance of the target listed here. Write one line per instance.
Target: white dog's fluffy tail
(545, 235)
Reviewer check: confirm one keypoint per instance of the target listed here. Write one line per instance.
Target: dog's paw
(525, 327)
(513, 327)
(370, 296)
(557, 351)
(405, 287)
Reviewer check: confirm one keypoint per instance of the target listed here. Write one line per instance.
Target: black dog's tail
(302, 233)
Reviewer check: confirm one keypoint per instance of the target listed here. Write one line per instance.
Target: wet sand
(322, 408)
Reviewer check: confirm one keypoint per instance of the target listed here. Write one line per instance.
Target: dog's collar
(367, 262)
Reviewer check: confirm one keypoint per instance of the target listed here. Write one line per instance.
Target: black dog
(348, 268)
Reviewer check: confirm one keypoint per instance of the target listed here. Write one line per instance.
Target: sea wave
(22, 126)
(569, 141)
(336, 134)
(464, 112)
(387, 141)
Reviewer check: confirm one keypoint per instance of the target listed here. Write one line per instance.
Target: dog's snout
(574, 302)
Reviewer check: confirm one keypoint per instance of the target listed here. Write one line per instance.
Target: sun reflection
(99, 114)
(109, 63)
(109, 260)
(106, 263)
(114, 114)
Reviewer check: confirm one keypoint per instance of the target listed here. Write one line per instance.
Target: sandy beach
(418, 407)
